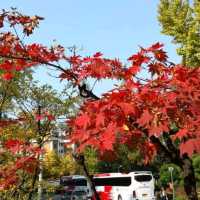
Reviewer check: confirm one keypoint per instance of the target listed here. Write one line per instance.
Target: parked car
(78, 185)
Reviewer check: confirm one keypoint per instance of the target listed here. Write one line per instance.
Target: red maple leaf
(108, 137)
(39, 117)
(158, 129)
(7, 76)
(155, 46)
(160, 55)
(131, 71)
(100, 119)
(139, 59)
(98, 54)
(127, 108)
(145, 118)
(19, 68)
(82, 121)
(190, 146)
(14, 145)
(181, 133)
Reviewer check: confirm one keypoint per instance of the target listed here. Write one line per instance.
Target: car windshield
(73, 182)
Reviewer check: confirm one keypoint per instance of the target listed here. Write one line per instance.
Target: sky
(115, 27)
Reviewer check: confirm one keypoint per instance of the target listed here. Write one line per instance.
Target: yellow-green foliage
(91, 160)
(181, 20)
(55, 166)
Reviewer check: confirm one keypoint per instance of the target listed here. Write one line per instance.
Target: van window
(73, 182)
(143, 178)
(113, 181)
(81, 182)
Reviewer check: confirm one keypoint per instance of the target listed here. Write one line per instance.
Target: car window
(143, 178)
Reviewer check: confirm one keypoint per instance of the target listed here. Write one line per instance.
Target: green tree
(180, 19)
(55, 165)
(9, 91)
(165, 176)
(91, 159)
(196, 163)
(21, 98)
(123, 159)
(55, 107)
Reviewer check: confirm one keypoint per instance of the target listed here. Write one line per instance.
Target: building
(57, 142)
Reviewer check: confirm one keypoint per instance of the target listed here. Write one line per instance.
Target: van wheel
(119, 197)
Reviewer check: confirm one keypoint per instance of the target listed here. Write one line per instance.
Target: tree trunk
(189, 178)
(81, 160)
(172, 155)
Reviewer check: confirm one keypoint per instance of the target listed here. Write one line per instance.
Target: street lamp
(172, 181)
(119, 168)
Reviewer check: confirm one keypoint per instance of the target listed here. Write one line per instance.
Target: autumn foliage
(15, 56)
(22, 157)
(140, 108)
(138, 111)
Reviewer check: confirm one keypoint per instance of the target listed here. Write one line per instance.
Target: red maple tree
(153, 114)
(161, 114)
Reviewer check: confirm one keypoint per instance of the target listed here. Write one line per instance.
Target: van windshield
(73, 182)
(143, 178)
(113, 181)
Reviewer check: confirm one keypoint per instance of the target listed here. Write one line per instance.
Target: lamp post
(172, 181)
(119, 168)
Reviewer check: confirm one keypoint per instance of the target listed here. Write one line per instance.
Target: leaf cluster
(180, 20)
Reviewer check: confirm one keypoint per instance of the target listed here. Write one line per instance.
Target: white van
(75, 187)
(137, 185)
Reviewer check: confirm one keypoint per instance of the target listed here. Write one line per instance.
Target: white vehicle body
(75, 185)
(138, 185)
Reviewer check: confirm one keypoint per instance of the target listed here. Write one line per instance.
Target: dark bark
(85, 93)
(189, 178)
(172, 154)
(81, 161)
